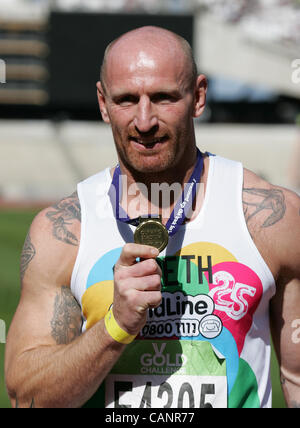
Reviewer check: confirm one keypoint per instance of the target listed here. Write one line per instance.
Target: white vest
(208, 343)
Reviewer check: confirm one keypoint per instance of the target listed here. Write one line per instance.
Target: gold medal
(152, 232)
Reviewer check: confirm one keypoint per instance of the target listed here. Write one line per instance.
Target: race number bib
(173, 374)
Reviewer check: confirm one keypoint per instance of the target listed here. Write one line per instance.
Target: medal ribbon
(182, 206)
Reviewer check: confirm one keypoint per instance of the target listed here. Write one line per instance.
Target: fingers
(144, 276)
(131, 252)
(142, 269)
(148, 283)
(137, 286)
(148, 300)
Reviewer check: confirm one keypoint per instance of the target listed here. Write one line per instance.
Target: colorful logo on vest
(208, 296)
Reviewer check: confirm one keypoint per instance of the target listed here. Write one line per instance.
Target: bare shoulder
(272, 214)
(268, 204)
(53, 238)
(47, 312)
(65, 218)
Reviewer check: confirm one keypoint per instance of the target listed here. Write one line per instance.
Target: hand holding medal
(137, 286)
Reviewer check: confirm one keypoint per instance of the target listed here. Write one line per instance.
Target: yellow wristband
(115, 331)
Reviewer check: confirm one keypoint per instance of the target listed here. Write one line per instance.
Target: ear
(102, 102)
(200, 95)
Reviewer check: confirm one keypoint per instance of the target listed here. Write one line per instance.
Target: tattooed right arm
(62, 216)
(48, 361)
(66, 321)
(65, 219)
(27, 255)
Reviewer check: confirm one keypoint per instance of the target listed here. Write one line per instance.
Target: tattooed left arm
(284, 308)
(272, 214)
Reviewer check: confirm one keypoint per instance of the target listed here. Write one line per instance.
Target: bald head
(156, 40)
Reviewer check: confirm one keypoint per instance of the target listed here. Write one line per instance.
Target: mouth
(148, 143)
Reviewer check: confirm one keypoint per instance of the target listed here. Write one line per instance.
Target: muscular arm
(285, 318)
(285, 306)
(273, 218)
(58, 370)
(48, 362)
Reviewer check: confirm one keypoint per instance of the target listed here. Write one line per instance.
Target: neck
(155, 193)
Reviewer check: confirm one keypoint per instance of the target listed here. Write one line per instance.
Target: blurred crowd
(150, 6)
(17, 7)
(263, 20)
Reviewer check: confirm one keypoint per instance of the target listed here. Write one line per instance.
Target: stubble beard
(149, 166)
(162, 166)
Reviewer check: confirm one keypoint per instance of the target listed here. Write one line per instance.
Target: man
(188, 327)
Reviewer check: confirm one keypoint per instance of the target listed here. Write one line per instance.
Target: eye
(126, 100)
(164, 98)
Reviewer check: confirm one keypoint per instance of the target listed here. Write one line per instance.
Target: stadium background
(51, 134)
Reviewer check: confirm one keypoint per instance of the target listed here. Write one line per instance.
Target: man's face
(150, 106)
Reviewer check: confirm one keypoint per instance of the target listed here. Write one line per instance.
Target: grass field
(14, 225)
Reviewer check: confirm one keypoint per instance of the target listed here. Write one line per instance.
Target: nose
(145, 118)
